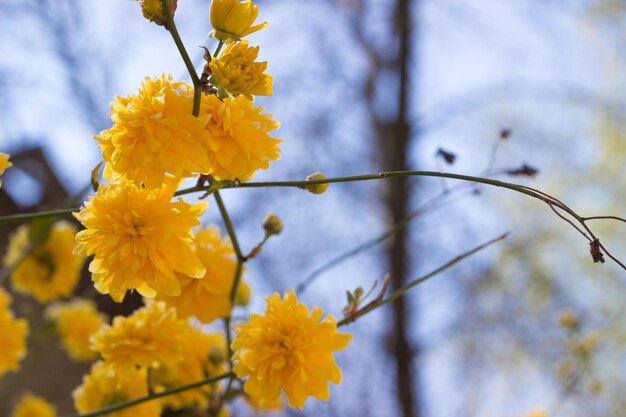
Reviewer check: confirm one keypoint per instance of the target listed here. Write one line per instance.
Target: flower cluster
(155, 340)
(208, 298)
(236, 72)
(140, 234)
(13, 334)
(33, 406)
(101, 388)
(288, 349)
(75, 322)
(46, 270)
(139, 239)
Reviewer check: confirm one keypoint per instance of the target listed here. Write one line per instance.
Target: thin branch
(14, 218)
(605, 218)
(150, 397)
(171, 27)
(401, 291)
(434, 202)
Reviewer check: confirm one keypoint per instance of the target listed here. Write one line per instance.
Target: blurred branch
(401, 291)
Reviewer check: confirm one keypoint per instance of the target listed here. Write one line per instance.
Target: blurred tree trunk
(395, 147)
(392, 132)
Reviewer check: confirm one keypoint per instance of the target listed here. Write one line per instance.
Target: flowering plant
(144, 237)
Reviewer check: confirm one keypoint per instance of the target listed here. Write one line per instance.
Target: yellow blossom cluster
(237, 72)
(4, 164)
(102, 388)
(139, 238)
(46, 270)
(153, 339)
(75, 322)
(288, 349)
(208, 298)
(140, 234)
(33, 406)
(154, 133)
(13, 334)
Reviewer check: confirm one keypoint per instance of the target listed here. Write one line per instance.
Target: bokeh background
(362, 86)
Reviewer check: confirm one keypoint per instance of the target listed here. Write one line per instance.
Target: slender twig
(14, 218)
(435, 202)
(605, 218)
(218, 49)
(171, 27)
(229, 226)
(532, 192)
(125, 404)
(404, 289)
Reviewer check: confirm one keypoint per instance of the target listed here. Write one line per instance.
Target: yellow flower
(4, 164)
(287, 349)
(151, 336)
(204, 355)
(208, 298)
(13, 334)
(232, 20)
(33, 406)
(51, 269)
(153, 133)
(239, 143)
(139, 237)
(236, 72)
(102, 388)
(153, 10)
(75, 322)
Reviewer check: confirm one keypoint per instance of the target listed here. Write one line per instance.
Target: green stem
(389, 174)
(229, 349)
(229, 226)
(171, 27)
(401, 291)
(130, 403)
(218, 49)
(300, 184)
(13, 218)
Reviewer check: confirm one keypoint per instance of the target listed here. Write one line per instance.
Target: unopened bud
(568, 319)
(316, 188)
(242, 298)
(153, 10)
(272, 225)
(216, 355)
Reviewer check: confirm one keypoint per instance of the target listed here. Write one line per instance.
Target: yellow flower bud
(568, 319)
(153, 10)
(316, 188)
(272, 225)
(232, 20)
(236, 72)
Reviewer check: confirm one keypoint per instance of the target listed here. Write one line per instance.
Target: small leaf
(358, 293)
(95, 173)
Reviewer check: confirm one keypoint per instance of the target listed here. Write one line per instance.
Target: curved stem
(171, 27)
(150, 397)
